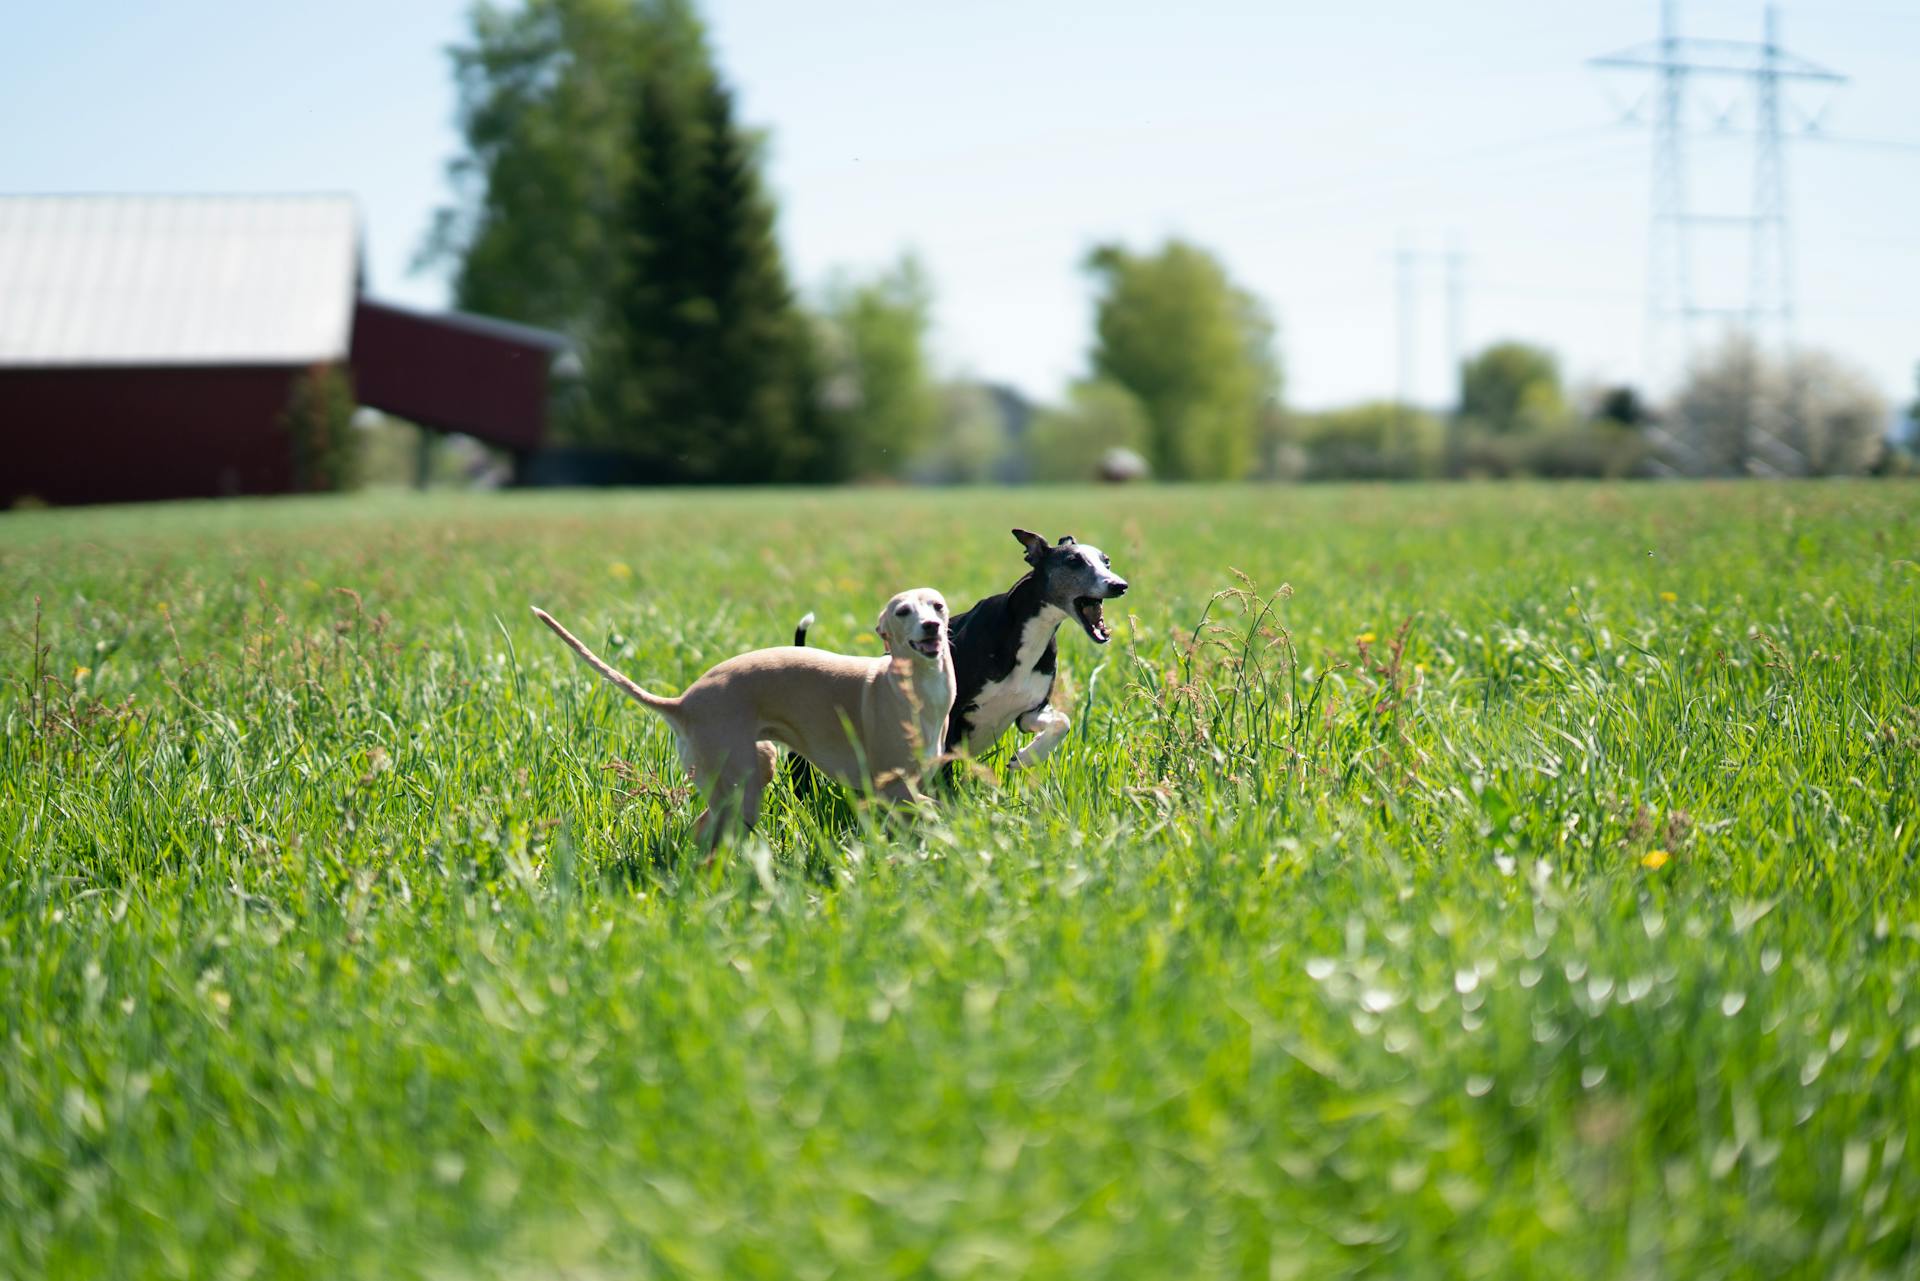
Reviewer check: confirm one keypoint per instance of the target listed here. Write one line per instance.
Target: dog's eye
(938, 608)
(1107, 561)
(902, 612)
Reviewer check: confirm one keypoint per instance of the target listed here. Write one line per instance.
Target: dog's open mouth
(929, 646)
(1087, 610)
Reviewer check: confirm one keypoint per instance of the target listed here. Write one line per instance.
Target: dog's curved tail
(800, 771)
(667, 707)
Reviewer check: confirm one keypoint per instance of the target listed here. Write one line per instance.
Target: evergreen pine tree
(708, 367)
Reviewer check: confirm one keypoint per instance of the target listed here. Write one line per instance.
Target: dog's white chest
(1000, 702)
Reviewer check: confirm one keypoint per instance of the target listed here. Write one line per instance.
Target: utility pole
(1456, 267)
(1767, 315)
(1409, 263)
(1405, 262)
(1456, 263)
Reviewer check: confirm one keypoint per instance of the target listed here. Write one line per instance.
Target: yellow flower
(1655, 860)
(1573, 611)
(619, 569)
(162, 607)
(81, 673)
(1420, 668)
(1365, 638)
(1669, 597)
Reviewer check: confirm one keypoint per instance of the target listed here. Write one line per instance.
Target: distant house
(148, 345)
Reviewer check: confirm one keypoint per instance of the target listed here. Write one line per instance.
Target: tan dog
(869, 722)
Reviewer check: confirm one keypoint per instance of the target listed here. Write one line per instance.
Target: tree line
(608, 190)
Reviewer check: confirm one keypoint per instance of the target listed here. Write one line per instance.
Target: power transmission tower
(1672, 311)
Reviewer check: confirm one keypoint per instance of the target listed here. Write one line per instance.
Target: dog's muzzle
(1088, 610)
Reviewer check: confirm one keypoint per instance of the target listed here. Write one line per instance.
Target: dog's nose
(1118, 587)
(929, 628)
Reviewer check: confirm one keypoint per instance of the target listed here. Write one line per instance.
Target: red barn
(148, 345)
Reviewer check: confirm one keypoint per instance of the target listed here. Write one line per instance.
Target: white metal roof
(176, 280)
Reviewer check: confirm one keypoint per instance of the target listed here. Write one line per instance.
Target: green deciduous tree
(1511, 388)
(544, 91)
(608, 191)
(881, 389)
(1196, 350)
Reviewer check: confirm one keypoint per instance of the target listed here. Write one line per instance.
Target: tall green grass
(1437, 882)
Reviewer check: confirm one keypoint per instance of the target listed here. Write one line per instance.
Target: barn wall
(450, 376)
(132, 435)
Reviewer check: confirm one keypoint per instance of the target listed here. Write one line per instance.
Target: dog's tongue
(1092, 615)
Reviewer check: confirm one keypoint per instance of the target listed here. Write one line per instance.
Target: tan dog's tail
(665, 706)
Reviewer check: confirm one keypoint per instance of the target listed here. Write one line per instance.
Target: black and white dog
(1003, 648)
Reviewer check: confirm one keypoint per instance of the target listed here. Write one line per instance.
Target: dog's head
(1074, 578)
(914, 624)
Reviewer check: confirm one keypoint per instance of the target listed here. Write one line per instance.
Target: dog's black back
(986, 643)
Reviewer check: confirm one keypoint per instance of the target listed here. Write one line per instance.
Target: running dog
(867, 722)
(1003, 648)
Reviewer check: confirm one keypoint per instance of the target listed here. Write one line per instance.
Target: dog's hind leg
(768, 755)
(1049, 726)
(732, 780)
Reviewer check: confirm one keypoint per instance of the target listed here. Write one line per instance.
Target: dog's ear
(1066, 541)
(1036, 546)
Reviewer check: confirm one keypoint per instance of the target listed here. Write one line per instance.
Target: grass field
(1529, 891)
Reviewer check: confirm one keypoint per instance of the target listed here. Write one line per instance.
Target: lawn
(1472, 881)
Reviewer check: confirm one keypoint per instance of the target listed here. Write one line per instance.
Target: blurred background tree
(879, 377)
(705, 367)
(1835, 418)
(1194, 349)
(970, 443)
(1377, 440)
(319, 419)
(1623, 406)
(607, 191)
(1512, 388)
(1717, 404)
(1807, 414)
(1070, 442)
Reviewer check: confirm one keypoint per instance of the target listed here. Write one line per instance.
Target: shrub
(319, 418)
(1378, 440)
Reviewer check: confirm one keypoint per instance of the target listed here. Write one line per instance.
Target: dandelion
(1573, 611)
(1655, 860)
(161, 607)
(620, 569)
(81, 673)
(1365, 638)
(1670, 597)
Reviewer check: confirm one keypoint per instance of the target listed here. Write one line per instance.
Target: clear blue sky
(1000, 140)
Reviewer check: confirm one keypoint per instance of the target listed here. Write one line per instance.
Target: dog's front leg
(1049, 726)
